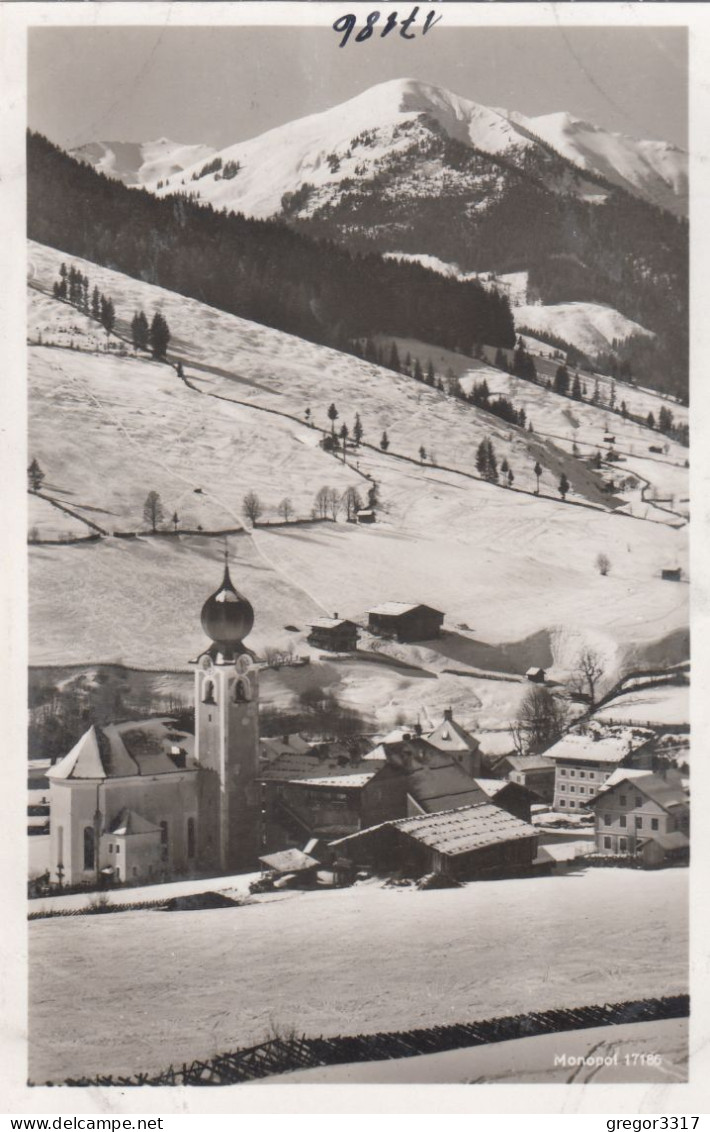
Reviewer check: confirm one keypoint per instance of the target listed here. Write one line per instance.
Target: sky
(222, 85)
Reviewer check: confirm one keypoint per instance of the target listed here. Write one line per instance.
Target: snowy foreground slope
(282, 159)
(386, 959)
(516, 569)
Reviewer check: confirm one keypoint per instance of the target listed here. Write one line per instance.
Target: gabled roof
(665, 795)
(289, 861)
(123, 750)
(444, 787)
(528, 762)
(451, 736)
(398, 608)
(457, 831)
(675, 840)
(492, 786)
(129, 822)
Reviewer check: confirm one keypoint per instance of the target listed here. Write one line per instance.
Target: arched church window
(241, 692)
(89, 854)
(208, 697)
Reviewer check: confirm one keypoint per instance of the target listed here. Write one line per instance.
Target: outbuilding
(468, 843)
(405, 621)
(335, 634)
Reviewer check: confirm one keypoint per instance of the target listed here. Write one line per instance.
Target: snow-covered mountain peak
(142, 163)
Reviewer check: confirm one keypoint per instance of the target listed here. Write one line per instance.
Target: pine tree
(95, 304)
(422, 453)
(35, 476)
(563, 485)
(332, 417)
(384, 442)
(357, 429)
(393, 362)
(418, 372)
(651, 420)
(562, 381)
(538, 472)
(108, 315)
(576, 388)
(153, 512)
(511, 477)
(159, 336)
(430, 375)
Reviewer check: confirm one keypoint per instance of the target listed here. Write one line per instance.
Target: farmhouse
(641, 813)
(584, 761)
(334, 634)
(477, 841)
(404, 622)
(535, 675)
(535, 772)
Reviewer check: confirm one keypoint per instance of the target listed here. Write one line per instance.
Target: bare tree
(587, 673)
(153, 512)
(333, 502)
(285, 509)
(540, 722)
(251, 507)
(352, 503)
(603, 564)
(321, 503)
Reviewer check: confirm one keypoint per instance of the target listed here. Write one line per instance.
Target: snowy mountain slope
(590, 327)
(653, 170)
(328, 148)
(517, 568)
(142, 163)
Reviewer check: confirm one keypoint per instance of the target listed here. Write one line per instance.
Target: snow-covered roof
(342, 781)
(529, 762)
(587, 748)
(397, 608)
(451, 736)
(453, 832)
(622, 774)
(129, 822)
(444, 787)
(674, 840)
(535, 671)
(330, 623)
(663, 793)
(491, 786)
(123, 750)
(309, 769)
(289, 861)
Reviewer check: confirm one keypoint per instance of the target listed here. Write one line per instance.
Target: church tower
(227, 734)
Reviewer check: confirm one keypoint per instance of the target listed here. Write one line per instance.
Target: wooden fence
(283, 1055)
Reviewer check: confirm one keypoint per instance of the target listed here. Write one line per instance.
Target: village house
(405, 622)
(535, 675)
(585, 760)
(464, 844)
(535, 772)
(335, 634)
(637, 812)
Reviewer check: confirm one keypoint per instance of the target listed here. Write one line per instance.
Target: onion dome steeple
(227, 617)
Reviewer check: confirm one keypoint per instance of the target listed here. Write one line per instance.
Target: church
(143, 801)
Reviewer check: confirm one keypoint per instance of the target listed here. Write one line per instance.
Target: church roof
(129, 822)
(123, 750)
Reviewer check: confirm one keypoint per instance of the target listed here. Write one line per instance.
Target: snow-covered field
(641, 1052)
(517, 570)
(139, 990)
(588, 326)
(665, 706)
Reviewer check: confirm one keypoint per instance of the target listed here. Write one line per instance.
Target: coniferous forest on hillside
(260, 270)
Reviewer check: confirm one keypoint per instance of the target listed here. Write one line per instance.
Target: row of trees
(73, 287)
(154, 336)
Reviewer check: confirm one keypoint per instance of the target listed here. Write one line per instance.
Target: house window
(582, 774)
(622, 844)
(572, 802)
(563, 802)
(622, 820)
(563, 770)
(638, 801)
(572, 773)
(89, 855)
(622, 800)
(654, 823)
(118, 849)
(607, 843)
(563, 786)
(639, 822)
(572, 789)
(607, 819)
(110, 848)
(191, 837)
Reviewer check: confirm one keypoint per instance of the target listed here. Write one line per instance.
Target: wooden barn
(404, 621)
(335, 634)
(466, 844)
